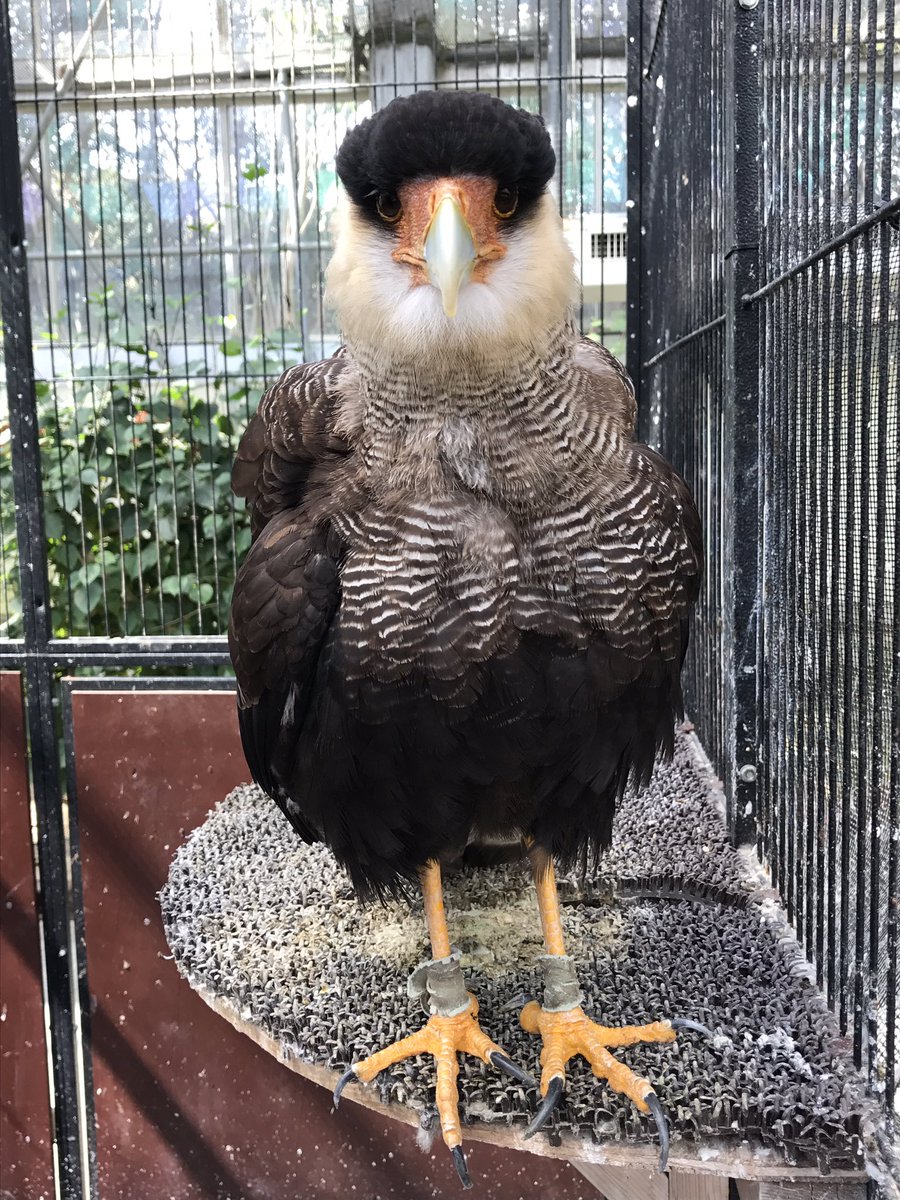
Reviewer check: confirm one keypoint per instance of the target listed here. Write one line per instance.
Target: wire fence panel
(825, 314)
(681, 332)
(830, 331)
(179, 185)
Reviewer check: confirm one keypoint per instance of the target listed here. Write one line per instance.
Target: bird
(462, 619)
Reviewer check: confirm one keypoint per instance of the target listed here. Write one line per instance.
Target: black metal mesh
(826, 308)
(178, 186)
(681, 332)
(829, 460)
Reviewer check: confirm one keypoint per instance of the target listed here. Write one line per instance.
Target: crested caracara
(463, 616)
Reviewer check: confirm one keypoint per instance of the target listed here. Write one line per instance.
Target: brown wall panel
(186, 1106)
(26, 1159)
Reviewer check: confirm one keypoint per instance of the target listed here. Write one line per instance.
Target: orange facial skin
(475, 196)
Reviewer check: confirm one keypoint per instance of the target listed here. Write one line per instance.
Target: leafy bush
(142, 531)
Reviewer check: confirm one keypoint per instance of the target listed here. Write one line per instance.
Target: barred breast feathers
(522, 436)
(467, 510)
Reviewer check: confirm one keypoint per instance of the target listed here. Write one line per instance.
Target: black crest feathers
(433, 134)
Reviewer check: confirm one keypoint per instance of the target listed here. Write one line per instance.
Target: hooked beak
(449, 251)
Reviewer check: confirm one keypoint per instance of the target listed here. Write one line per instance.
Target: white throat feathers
(390, 322)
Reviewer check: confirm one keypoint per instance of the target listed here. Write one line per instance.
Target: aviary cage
(730, 186)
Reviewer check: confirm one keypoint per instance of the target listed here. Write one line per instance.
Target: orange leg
(567, 1031)
(452, 1028)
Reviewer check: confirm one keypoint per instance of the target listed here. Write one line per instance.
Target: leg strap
(561, 990)
(439, 986)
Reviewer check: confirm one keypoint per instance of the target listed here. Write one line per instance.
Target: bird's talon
(347, 1076)
(518, 1001)
(442, 1038)
(459, 1161)
(547, 1107)
(502, 1063)
(662, 1128)
(570, 1032)
(684, 1023)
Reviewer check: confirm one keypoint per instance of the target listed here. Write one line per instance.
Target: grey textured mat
(672, 924)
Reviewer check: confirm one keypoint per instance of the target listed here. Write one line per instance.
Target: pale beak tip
(449, 252)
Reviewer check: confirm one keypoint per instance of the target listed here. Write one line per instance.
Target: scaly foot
(442, 1038)
(572, 1032)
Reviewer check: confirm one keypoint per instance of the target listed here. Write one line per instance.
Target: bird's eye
(506, 200)
(389, 207)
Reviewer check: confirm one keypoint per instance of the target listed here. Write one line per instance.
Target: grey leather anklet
(439, 986)
(561, 990)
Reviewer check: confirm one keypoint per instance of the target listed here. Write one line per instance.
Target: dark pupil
(388, 206)
(504, 200)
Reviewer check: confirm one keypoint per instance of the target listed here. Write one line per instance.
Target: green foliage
(606, 334)
(142, 531)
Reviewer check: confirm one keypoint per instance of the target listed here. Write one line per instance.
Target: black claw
(347, 1076)
(518, 1001)
(662, 1128)
(502, 1063)
(694, 1026)
(550, 1101)
(459, 1161)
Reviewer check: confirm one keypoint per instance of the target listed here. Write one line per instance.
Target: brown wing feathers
(415, 665)
(292, 431)
(287, 589)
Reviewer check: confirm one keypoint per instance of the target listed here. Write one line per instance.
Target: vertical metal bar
(827, 653)
(195, 535)
(53, 900)
(892, 923)
(818, 803)
(868, 847)
(886, 757)
(799, 506)
(78, 942)
(741, 465)
(634, 89)
(559, 59)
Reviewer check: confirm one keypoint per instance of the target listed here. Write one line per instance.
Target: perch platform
(673, 922)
